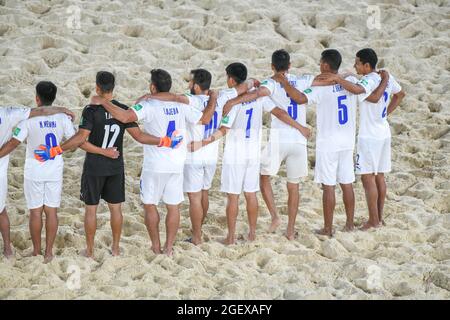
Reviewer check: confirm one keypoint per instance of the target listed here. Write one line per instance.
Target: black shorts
(109, 188)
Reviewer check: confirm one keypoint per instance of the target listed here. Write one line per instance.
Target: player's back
(49, 131)
(336, 116)
(9, 118)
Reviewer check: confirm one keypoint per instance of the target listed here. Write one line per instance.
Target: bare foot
(251, 236)
(196, 241)
(348, 228)
(274, 225)
(168, 252)
(291, 235)
(48, 258)
(228, 241)
(369, 225)
(87, 254)
(383, 223)
(324, 232)
(115, 252)
(156, 250)
(8, 253)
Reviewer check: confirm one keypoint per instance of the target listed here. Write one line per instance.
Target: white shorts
(157, 186)
(42, 193)
(198, 177)
(295, 155)
(240, 177)
(373, 156)
(334, 167)
(3, 190)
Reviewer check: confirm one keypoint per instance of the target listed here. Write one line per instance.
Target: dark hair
(201, 77)
(46, 91)
(281, 60)
(105, 81)
(161, 80)
(369, 56)
(333, 58)
(237, 71)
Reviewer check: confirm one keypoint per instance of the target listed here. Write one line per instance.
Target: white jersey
(243, 141)
(198, 132)
(285, 132)
(9, 118)
(50, 131)
(162, 118)
(336, 116)
(373, 116)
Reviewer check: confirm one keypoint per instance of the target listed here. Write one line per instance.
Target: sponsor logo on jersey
(137, 107)
(265, 82)
(16, 132)
(81, 121)
(225, 120)
(364, 82)
(309, 90)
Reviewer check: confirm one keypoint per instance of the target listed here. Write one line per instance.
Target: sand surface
(409, 258)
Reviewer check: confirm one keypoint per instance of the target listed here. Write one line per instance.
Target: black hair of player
(368, 55)
(281, 60)
(46, 91)
(161, 79)
(105, 81)
(333, 58)
(237, 71)
(202, 78)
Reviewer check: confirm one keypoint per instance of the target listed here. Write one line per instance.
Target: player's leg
(172, 224)
(34, 195)
(114, 194)
(172, 197)
(371, 192)
(196, 215)
(326, 174)
(90, 228)
(346, 177)
(296, 168)
(209, 171)
(270, 164)
(252, 213)
(51, 229)
(116, 226)
(151, 220)
(4, 219)
(192, 185)
(205, 204)
(382, 190)
(5, 231)
(232, 210)
(52, 201)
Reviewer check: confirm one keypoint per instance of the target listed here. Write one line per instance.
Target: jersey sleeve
(369, 84)
(191, 114)
(69, 130)
(269, 84)
(18, 114)
(313, 95)
(131, 124)
(143, 111)
(224, 96)
(21, 131)
(396, 87)
(87, 119)
(304, 82)
(228, 120)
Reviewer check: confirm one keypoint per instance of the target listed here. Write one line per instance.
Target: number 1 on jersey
(385, 96)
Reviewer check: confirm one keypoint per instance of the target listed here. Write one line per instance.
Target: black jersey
(106, 132)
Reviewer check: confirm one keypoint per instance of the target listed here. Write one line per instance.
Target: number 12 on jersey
(110, 128)
(342, 110)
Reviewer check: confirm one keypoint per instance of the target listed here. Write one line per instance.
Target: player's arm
(107, 152)
(395, 101)
(122, 115)
(291, 91)
(76, 140)
(208, 112)
(246, 85)
(142, 137)
(9, 147)
(347, 85)
(246, 97)
(49, 111)
(376, 95)
(217, 135)
(286, 118)
(166, 96)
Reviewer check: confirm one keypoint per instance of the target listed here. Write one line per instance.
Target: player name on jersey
(47, 124)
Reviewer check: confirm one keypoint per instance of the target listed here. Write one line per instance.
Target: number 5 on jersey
(342, 110)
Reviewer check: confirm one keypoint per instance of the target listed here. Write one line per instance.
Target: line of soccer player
(181, 134)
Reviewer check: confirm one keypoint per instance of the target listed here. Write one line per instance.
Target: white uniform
(43, 180)
(286, 142)
(374, 137)
(162, 171)
(9, 118)
(336, 129)
(200, 165)
(241, 157)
